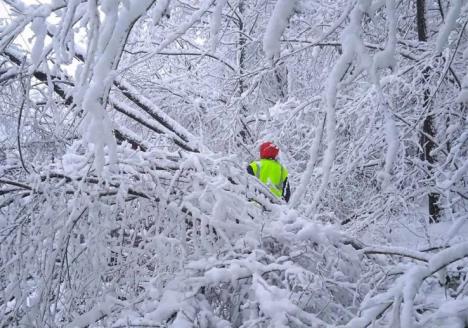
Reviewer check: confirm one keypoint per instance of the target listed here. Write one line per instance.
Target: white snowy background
(126, 127)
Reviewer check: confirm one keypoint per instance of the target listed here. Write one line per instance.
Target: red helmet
(268, 150)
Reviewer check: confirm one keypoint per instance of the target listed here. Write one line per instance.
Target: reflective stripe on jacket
(271, 173)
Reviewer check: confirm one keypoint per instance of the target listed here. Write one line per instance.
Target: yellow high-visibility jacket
(273, 174)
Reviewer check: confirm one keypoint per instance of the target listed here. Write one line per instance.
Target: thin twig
(18, 126)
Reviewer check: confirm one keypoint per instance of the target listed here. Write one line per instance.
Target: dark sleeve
(286, 190)
(250, 170)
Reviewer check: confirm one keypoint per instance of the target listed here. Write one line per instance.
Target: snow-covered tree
(125, 127)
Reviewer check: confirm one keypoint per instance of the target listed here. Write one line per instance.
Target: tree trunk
(244, 132)
(428, 134)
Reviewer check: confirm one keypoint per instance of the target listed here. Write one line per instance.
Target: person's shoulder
(253, 164)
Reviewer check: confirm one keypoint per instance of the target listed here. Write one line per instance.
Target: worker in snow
(270, 172)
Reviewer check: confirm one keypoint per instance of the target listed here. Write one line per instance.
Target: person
(270, 172)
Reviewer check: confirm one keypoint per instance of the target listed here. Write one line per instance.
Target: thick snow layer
(276, 26)
(39, 28)
(393, 142)
(386, 57)
(216, 23)
(159, 9)
(449, 25)
(169, 304)
(116, 26)
(100, 310)
(453, 314)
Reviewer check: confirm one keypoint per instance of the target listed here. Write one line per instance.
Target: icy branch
(276, 26)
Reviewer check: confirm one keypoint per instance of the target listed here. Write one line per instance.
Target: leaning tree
(124, 128)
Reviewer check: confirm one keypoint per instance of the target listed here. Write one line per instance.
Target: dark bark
(281, 73)
(426, 144)
(421, 20)
(120, 136)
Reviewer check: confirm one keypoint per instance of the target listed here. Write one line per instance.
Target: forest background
(126, 127)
